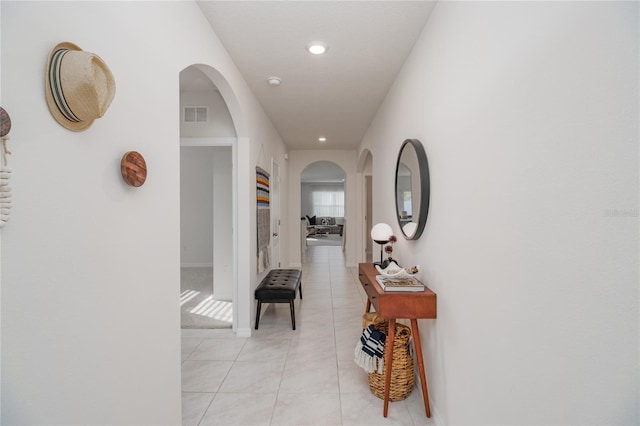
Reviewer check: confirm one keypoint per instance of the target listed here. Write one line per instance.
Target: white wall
(529, 116)
(298, 161)
(196, 205)
(222, 224)
(220, 123)
(90, 266)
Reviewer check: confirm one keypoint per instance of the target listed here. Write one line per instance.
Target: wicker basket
(402, 374)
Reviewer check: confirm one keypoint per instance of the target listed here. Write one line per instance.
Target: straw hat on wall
(79, 86)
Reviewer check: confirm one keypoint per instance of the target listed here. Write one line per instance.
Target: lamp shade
(381, 232)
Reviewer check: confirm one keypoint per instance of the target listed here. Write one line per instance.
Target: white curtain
(328, 200)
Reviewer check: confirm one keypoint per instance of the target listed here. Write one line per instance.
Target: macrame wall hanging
(5, 171)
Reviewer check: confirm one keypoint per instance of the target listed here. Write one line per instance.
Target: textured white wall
(90, 266)
(529, 116)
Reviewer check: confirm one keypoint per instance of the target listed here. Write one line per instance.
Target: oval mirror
(412, 189)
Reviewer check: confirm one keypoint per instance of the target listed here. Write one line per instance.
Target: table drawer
(372, 292)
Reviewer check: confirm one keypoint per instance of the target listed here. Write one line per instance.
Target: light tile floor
(280, 376)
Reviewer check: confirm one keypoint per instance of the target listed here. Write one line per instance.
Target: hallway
(284, 377)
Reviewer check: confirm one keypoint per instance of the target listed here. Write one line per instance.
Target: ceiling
(334, 95)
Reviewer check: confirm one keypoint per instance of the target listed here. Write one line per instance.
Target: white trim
(243, 332)
(196, 265)
(208, 141)
(233, 143)
(234, 225)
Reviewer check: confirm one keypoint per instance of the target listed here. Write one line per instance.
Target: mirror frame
(424, 189)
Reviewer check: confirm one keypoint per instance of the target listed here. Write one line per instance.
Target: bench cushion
(279, 284)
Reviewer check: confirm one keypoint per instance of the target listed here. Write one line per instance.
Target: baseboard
(243, 332)
(437, 420)
(196, 265)
(435, 416)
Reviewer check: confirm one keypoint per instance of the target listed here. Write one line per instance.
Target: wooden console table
(393, 306)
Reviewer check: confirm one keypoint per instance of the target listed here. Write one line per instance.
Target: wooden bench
(279, 286)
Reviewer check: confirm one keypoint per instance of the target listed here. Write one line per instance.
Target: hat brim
(53, 108)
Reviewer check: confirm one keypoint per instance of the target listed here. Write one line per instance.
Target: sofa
(324, 225)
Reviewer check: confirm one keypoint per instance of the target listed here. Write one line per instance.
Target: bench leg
(300, 287)
(258, 313)
(293, 314)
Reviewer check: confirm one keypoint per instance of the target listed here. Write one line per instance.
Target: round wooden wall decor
(5, 123)
(133, 168)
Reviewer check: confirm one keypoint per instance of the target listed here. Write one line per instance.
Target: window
(328, 202)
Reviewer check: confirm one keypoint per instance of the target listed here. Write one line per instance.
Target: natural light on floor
(217, 309)
(187, 295)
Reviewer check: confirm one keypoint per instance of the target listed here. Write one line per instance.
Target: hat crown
(80, 86)
(86, 84)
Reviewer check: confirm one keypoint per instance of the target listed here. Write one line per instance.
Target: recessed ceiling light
(322, 139)
(274, 81)
(317, 47)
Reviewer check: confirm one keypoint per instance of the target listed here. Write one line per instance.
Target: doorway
(368, 179)
(322, 203)
(275, 214)
(206, 291)
(207, 240)
(365, 169)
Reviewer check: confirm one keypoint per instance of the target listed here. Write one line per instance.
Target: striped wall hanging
(263, 218)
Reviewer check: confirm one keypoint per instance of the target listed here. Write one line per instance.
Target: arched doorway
(208, 246)
(322, 203)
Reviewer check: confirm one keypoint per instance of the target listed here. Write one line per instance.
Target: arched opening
(322, 203)
(365, 173)
(208, 245)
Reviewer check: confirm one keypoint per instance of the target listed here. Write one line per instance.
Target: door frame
(233, 143)
(276, 213)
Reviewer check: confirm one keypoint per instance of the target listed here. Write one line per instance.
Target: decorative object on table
(133, 168)
(5, 171)
(395, 278)
(393, 270)
(412, 188)
(389, 250)
(402, 371)
(380, 233)
(79, 86)
(263, 218)
(399, 284)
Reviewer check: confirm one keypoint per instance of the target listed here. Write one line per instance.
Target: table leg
(423, 380)
(388, 364)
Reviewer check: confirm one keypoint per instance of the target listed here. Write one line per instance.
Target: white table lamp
(380, 233)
